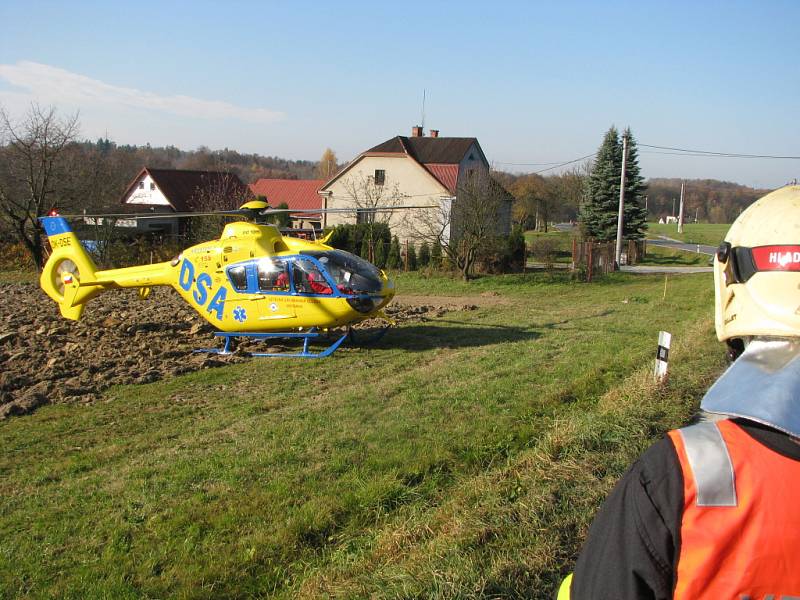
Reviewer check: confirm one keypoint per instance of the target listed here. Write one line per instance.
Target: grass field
(710, 234)
(462, 457)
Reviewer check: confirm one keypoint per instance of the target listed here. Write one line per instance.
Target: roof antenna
(422, 120)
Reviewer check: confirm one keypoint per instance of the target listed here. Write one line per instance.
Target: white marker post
(662, 356)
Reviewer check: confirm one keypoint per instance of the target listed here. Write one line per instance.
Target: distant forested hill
(711, 200)
(95, 174)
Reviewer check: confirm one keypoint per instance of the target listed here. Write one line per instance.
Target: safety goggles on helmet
(742, 263)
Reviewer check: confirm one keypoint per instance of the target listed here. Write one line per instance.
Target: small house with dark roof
(169, 191)
(410, 171)
(297, 194)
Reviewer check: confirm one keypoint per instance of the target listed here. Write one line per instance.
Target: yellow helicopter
(253, 282)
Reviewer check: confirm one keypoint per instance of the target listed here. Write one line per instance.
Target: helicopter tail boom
(68, 276)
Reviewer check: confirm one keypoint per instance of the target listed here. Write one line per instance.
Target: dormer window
(380, 176)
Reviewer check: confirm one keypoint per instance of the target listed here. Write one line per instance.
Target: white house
(170, 191)
(408, 171)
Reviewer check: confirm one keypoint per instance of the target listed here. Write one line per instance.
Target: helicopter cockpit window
(308, 279)
(238, 278)
(273, 275)
(350, 273)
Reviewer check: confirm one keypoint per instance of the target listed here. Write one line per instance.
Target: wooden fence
(597, 258)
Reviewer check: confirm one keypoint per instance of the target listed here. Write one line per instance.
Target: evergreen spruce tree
(412, 257)
(380, 254)
(424, 255)
(393, 260)
(601, 203)
(635, 214)
(600, 209)
(436, 256)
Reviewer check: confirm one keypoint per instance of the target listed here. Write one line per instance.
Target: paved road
(662, 269)
(678, 245)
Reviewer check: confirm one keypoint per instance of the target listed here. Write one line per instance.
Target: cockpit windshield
(351, 274)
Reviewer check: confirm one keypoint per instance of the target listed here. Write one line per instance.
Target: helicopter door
(274, 291)
(308, 279)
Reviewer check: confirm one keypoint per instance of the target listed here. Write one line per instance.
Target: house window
(152, 186)
(380, 176)
(141, 185)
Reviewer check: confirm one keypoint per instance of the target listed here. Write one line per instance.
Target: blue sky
(535, 82)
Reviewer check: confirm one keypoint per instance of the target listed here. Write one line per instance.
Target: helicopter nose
(387, 290)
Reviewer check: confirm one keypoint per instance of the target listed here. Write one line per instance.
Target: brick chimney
(416, 131)
(434, 133)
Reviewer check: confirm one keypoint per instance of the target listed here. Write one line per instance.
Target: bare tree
(219, 191)
(374, 203)
(466, 226)
(32, 171)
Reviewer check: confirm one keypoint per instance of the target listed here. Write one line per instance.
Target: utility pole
(618, 255)
(680, 212)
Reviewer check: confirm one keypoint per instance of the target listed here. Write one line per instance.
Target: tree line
(544, 199)
(44, 164)
(708, 200)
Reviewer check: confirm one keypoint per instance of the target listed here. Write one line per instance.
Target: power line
(541, 164)
(564, 164)
(555, 164)
(722, 154)
(691, 154)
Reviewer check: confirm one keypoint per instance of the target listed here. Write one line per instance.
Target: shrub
(436, 257)
(15, 257)
(424, 255)
(380, 254)
(412, 257)
(544, 250)
(355, 237)
(393, 259)
(517, 249)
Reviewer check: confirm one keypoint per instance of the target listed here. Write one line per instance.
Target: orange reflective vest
(740, 532)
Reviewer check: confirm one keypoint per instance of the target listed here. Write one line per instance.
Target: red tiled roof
(446, 174)
(296, 193)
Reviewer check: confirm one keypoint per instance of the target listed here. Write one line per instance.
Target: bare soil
(120, 340)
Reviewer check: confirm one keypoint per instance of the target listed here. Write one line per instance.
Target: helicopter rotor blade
(244, 212)
(353, 209)
(165, 215)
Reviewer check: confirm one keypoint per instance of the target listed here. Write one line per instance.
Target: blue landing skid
(305, 336)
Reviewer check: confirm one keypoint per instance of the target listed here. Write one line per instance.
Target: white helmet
(757, 270)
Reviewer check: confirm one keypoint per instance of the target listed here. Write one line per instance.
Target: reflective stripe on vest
(710, 464)
(740, 526)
